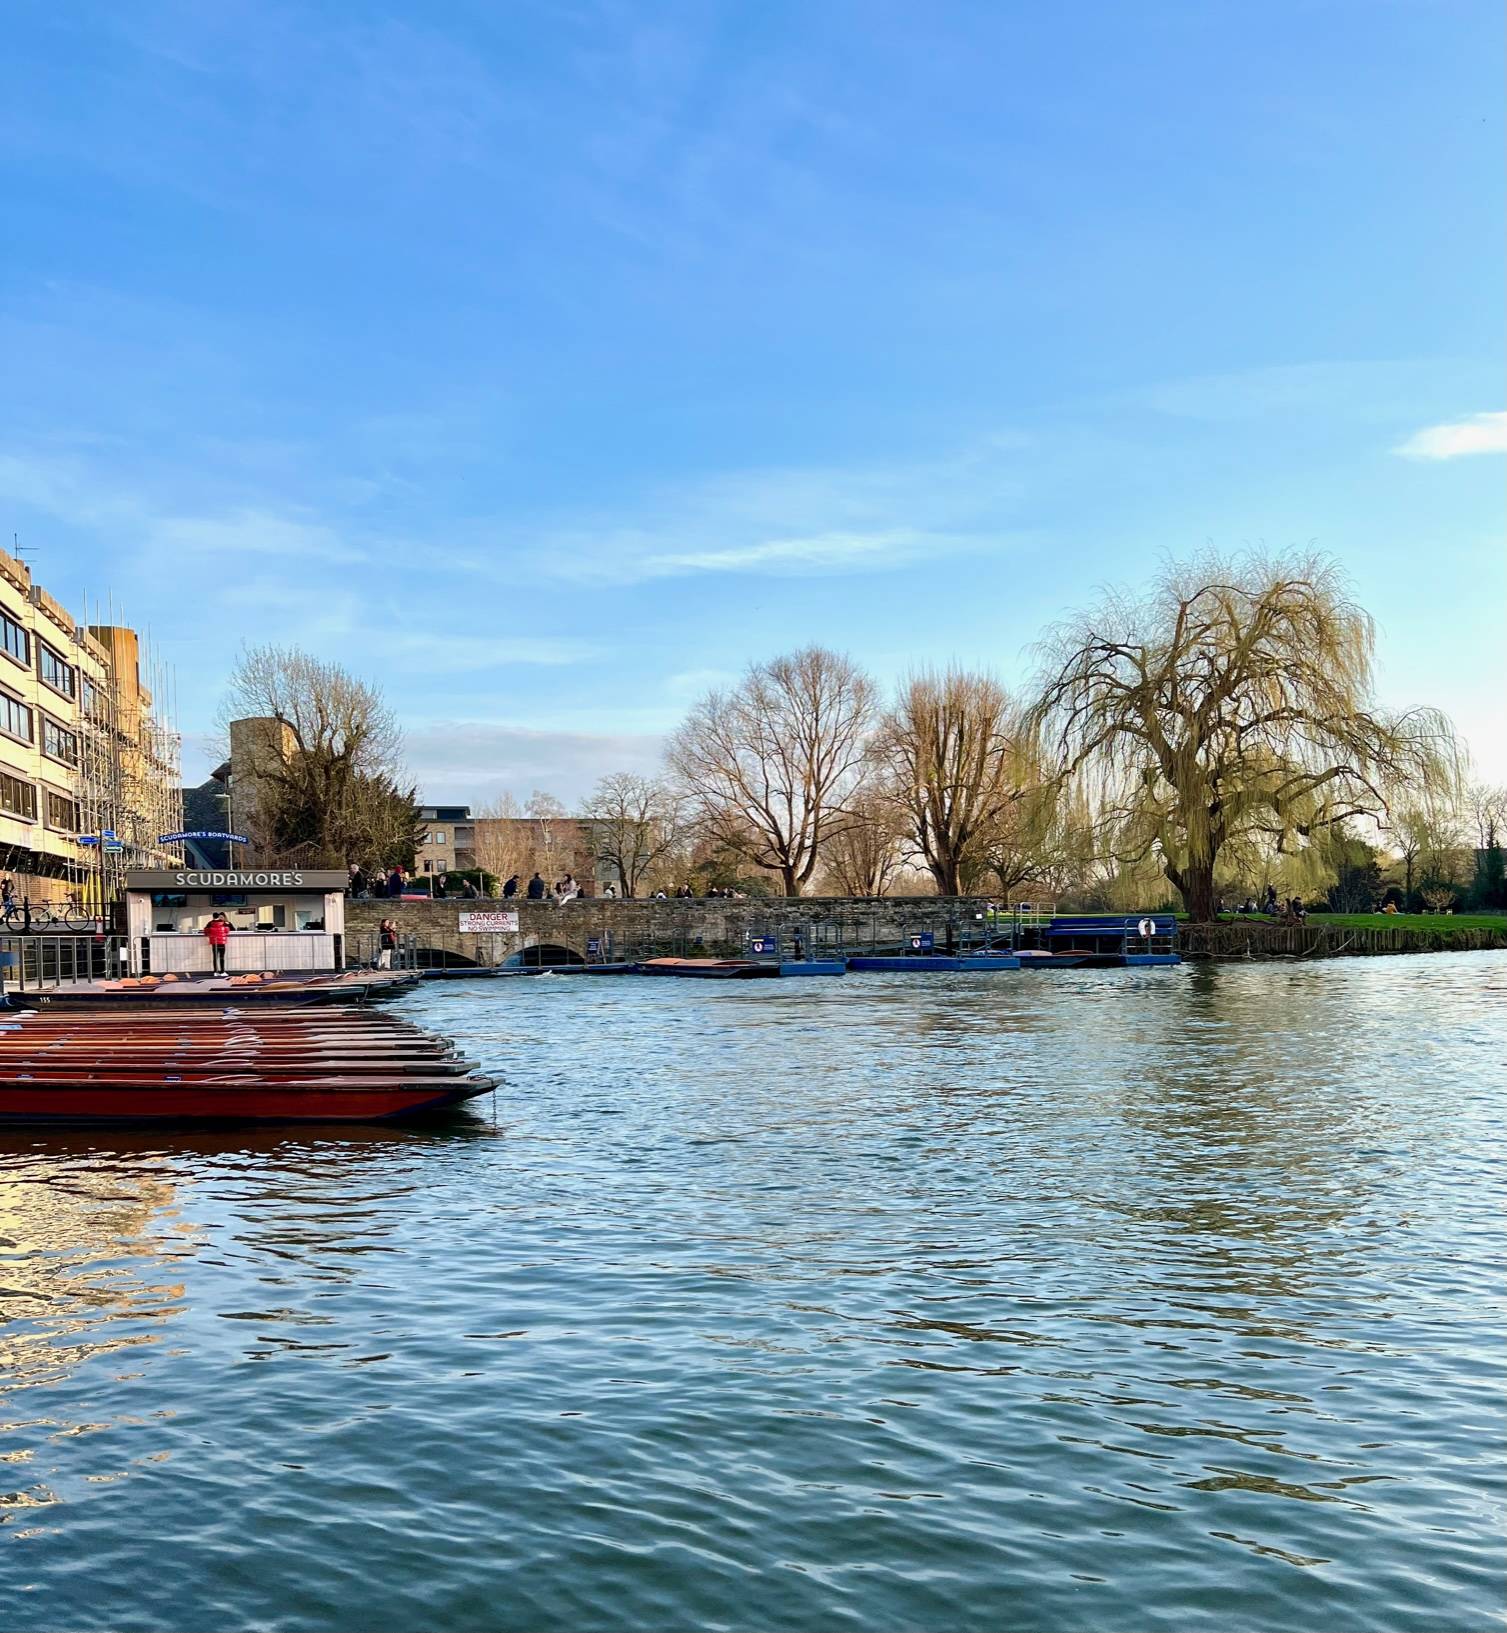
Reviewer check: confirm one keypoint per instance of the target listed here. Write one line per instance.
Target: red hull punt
(327, 1101)
(142, 1065)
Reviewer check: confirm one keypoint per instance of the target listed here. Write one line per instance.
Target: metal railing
(362, 950)
(35, 962)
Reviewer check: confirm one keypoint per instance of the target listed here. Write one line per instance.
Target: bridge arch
(544, 955)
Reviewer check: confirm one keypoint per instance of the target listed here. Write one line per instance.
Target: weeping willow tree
(1232, 701)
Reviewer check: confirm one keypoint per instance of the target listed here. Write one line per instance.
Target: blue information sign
(764, 944)
(922, 943)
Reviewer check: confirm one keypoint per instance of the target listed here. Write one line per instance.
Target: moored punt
(813, 966)
(280, 991)
(715, 969)
(147, 1064)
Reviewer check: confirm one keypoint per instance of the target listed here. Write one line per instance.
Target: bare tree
(866, 853)
(952, 754)
(554, 833)
(634, 824)
(324, 788)
(1235, 696)
(502, 841)
(1486, 807)
(771, 766)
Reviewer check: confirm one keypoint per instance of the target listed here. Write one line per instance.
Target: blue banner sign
(201, 833)
(764, 944)
(922, 943)
(593, 944)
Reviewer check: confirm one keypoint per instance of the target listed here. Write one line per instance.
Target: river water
(1094, 1300)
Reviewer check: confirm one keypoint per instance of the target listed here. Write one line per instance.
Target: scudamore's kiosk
(280, 918)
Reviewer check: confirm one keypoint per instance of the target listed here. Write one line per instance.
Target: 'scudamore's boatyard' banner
(239, 879)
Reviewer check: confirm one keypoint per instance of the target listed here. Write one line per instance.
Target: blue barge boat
(1094, 942)
(936, 963)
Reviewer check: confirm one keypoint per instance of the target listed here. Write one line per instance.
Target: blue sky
(548, 362)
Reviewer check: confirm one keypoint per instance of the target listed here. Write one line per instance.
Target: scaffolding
(129, 780)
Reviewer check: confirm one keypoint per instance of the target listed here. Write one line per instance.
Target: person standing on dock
(217, 933)
(387, 943)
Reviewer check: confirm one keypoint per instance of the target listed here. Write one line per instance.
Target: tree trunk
(791, 883)
(1196, 882)
(945, 871)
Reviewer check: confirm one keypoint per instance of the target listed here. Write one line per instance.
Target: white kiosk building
(280, 918)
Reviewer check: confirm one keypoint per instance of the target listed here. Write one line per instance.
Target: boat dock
(993, 943)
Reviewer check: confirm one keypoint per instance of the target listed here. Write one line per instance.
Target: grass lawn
(1347, 921)
(1392, 921)
(1413, 921)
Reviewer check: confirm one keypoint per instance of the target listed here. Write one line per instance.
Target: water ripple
(1163, 1299)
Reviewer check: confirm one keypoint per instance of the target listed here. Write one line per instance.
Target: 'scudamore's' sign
(236, 879)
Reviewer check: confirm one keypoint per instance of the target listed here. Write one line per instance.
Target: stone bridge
(640, 929)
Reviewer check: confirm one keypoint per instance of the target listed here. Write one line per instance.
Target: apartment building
(448, 840)
(83, 751)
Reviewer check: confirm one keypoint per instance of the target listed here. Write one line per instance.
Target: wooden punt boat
(257, 1100)
(144, 1065)
(709, 969)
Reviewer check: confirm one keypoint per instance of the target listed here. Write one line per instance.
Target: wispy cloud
(88, 495)
(788, 522)
(477, 761)
(1480, 434)
(247, 531)
(442, 653)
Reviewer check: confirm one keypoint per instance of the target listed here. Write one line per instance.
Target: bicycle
(68, 915)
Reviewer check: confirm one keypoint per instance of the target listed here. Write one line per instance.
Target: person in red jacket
(217, 933)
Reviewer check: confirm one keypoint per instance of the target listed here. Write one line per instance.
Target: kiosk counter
(280, 918)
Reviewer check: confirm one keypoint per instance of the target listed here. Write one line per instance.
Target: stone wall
(640, 929)
(636, 929)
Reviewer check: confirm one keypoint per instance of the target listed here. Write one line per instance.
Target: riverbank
(1344, 935)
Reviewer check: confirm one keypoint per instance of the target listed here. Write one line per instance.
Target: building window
(15, 718)
(14, 639)
(59, 742)
(57, 674)
(17, 798)
(88, 694)
(62, 813)
(437, 837)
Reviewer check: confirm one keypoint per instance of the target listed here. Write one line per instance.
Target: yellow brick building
(83, 751)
